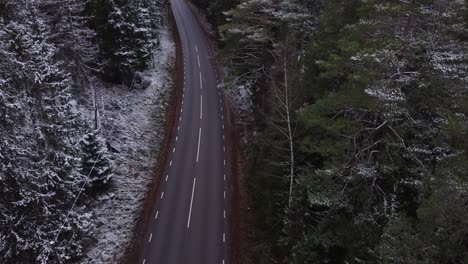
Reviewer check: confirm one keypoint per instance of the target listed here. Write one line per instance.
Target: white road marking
(223, 137)
(224, 162)
(144, 261)
(224, 214)
(156, 216)
(180, 118)
(191, 203)
(224, 148)
(222, 126)
(173, 150)
(224, 237)
(167, 177)
(178, 128)
(201, 106)
(150, 238)
(222, 117)
(198, 58)
(201, 82)
(176, 138)
(162, 195)
(199, 139)
(224, 177)
(181, 110)
(170, 163)
(223, 261)
(196, 49)
(224, 194)
(182, 102)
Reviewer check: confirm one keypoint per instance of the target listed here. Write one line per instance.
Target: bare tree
(282, 101)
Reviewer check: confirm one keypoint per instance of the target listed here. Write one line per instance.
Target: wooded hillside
(53, 160)
(361, 109)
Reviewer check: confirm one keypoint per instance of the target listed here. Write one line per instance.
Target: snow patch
(137, 119)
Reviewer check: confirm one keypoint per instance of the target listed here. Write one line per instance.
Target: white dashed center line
(199, 140)
(201, 82)
(191, 202)
(201, 106)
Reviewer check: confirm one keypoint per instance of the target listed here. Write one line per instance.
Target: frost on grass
(136, 118)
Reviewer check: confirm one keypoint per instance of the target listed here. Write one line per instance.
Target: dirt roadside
(133, 250)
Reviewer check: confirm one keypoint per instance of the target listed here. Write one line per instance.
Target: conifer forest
(350, 119)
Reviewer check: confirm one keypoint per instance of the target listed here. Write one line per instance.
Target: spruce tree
(38, 127)
(70, 32)
(127, 37)
(96, 163)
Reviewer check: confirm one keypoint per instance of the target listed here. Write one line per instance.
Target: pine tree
(127, 36)
(70, 32)
(96, 163)
(39, 124)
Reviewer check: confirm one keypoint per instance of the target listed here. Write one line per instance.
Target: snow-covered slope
(136, 118)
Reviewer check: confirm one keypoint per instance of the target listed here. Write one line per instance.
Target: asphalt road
(188, 224)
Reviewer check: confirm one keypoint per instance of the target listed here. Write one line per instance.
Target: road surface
(188, 225)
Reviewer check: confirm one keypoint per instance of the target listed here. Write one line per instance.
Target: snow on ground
(137, 119)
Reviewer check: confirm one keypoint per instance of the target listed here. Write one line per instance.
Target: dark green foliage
(380, 142)
(214, 10)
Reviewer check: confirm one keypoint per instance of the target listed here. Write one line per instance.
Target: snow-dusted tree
(39, 179)
(69, 31)
(95, 163)
(127, 36)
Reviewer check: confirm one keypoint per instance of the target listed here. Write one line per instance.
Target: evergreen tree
(96, 163)
(379, 141)
(38, 121)
(70, 32)
(127, 37)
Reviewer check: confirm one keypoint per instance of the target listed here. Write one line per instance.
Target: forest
(356, 146)
(54, 160)
(359, 143)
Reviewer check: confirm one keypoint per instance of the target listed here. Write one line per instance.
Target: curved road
(188, 225)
